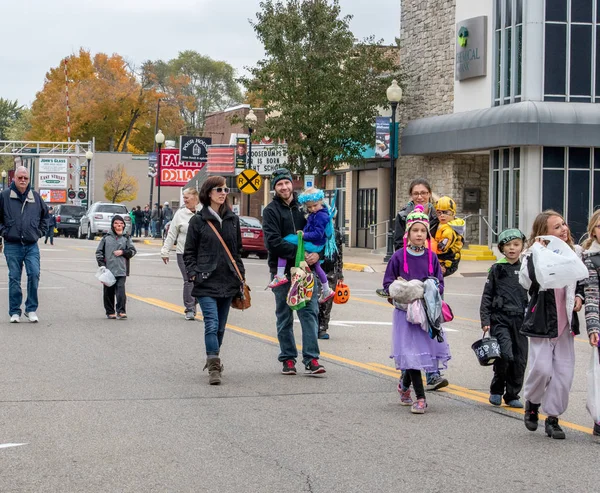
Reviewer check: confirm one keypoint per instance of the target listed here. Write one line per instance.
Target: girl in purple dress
(412, 348)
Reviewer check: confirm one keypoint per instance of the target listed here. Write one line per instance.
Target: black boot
(531, 416)
(213, 363)
(553, 429)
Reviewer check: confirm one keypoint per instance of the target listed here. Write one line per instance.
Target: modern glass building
(502, 102)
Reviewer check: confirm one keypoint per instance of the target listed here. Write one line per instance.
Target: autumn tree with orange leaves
(108, 100)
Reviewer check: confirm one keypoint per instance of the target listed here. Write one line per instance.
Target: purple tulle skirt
(413, 349)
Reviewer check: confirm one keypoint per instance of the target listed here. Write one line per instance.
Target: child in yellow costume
(449, 235)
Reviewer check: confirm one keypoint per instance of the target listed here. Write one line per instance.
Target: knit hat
(417, 216)
(280, 174)
(509, 235)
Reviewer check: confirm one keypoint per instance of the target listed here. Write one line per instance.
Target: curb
(358, 267)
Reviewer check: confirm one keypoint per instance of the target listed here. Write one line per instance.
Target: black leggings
(414, 377)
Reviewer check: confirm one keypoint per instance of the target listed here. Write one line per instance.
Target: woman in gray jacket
(113, 252)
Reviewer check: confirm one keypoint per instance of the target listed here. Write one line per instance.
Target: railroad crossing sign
(249, 181)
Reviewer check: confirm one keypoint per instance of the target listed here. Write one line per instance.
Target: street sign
(309, 181)
(268, 158)
(194, 149)
(53, 165)
(249, 181)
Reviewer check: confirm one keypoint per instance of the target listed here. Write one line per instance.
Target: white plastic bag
(593, 383)
(556, 264)
(105, 276)
(415, 314)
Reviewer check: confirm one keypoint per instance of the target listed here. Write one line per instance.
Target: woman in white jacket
(177, 233)
(551, 324)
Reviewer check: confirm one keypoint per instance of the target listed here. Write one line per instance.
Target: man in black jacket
(282, 217)
(23, 221)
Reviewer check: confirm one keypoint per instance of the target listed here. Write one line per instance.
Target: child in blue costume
(318, 236)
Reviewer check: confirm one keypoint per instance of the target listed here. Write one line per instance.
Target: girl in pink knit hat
(413, 349)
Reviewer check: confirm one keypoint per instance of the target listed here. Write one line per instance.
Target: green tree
(321, 87)
(119, 186)
(10, 111)
(197, 84)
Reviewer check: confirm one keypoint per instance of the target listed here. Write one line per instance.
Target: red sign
(174, 173)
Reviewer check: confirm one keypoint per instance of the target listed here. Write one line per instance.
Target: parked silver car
(98, 218)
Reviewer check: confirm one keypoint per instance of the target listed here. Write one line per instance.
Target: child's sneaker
(419, 406)
(495, 399)
(278, 281)
(326, 294)
(405, 398)
(384, 293)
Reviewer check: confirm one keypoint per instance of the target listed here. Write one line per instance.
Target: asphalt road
(92, 405)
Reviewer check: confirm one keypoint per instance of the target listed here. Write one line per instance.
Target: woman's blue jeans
(214, 313)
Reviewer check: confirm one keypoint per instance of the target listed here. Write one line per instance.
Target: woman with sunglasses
(209, 267)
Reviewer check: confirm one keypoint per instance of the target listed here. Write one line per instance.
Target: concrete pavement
(105, 405)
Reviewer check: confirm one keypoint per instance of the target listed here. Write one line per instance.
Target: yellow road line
(466, 393)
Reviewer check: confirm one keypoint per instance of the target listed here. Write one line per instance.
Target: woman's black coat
(206, 259)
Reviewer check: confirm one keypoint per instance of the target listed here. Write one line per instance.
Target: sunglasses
(221, 189)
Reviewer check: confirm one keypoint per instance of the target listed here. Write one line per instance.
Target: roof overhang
(529, 123)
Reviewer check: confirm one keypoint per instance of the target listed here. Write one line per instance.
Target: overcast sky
(37, 34)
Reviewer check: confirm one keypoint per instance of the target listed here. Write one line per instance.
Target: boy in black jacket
(503, 305)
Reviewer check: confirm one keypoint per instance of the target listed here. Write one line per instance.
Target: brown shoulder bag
(241, 302)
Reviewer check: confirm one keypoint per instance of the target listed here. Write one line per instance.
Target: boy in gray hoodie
(113, 252)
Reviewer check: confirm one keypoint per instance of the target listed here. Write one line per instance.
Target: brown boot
(213, 363)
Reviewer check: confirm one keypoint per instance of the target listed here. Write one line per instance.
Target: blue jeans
(214, 312)
(309, 321)
(16, 255)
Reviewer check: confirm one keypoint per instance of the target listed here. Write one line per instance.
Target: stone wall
(448, 175)
(427, 58)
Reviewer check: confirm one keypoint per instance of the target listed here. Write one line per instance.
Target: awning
(529, 123)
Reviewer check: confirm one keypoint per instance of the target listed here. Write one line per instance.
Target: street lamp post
(154, 149)
(160, 140)
(88, 155)
(251, 123)
(394, 95)
(4, 179)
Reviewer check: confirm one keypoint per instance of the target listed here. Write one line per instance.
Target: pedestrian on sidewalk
(177, 236)
(413, 349)
(51, 226)
(138, 215)
(283, 217)
(23, 221)
(146, 220)
(209, 267)
(551, 334)
(334, 268)
(156, 221)
(502, 309)
(591, 259)
(420, 194)
(115, 252)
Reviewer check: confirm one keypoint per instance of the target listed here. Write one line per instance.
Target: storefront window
(570, 51)
(568, 185)
(508, 50)
(505, 186)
